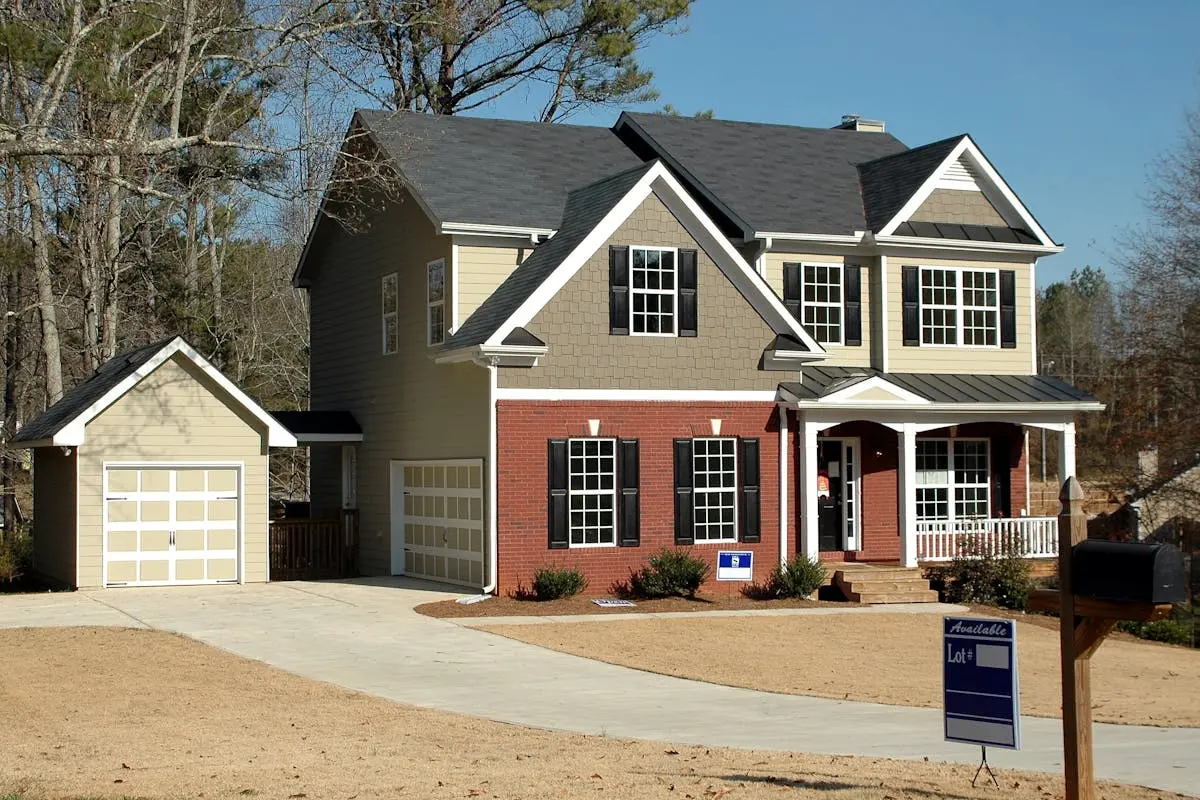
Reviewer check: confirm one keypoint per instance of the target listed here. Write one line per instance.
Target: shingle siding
(956, 205)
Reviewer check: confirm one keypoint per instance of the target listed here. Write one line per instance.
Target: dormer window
(652, 312)
(827, 300)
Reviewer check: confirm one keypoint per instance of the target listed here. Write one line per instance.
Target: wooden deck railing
(1031, 537)
(313, 549)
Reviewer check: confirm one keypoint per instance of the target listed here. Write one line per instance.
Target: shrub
(669, 573)
(799, 577)
(553, 583)
(978, 576)
(16, 556)
(1177, 629)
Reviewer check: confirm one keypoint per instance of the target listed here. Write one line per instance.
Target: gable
(724, 355)
(875, 394)
(968, 207)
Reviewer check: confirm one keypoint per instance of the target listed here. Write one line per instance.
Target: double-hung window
(591, 492)
(435, 284)
(822, 304)
(715, 476)
(389, 314)
(953, 479)
(959, 306)
(653, 291)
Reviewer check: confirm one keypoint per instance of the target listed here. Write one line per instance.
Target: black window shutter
(688, 319)
(618, 290)
(910, 286)
(685, 510)
(750, 503)
(559, 533)
(1001, 477)
(852, 288)
(630, 509)
(792, 289)
(1008, 308)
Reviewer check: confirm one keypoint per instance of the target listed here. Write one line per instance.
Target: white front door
(171, 524)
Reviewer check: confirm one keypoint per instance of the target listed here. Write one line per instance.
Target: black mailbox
(1130, 571)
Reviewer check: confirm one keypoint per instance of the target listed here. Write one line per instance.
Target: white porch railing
(1031, 537)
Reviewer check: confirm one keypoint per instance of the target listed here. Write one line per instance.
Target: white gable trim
(851, 392)
(968, 150)
(72, 434)
(659, 180)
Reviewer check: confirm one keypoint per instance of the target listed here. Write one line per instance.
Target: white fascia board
(72, 434)
(815, 238)
(641, 395)
(956, 408)
(968, 148)
(965, 244)
(874, 382)
(484, 354)
(479, 229)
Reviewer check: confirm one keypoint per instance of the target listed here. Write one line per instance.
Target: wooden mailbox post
(1083, 622)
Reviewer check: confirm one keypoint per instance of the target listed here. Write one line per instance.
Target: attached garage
(437, 520)
(152, 473)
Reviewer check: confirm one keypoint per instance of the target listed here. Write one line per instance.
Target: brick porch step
(865, 584)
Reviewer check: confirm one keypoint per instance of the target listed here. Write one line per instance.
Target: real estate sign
(735, 566)
(981, 695)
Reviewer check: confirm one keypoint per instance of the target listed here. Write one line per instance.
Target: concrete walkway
(363, 635)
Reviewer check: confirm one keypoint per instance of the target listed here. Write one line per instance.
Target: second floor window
(652, 310)
(390, 321)
(436, 293)
(822, 304)
(959, 306)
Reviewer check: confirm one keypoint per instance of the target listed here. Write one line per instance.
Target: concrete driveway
(364, 635)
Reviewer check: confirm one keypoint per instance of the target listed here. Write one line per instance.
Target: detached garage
(152, 472)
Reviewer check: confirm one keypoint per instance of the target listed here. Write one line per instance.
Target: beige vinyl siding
(582, 355)
(997, 361)
(480, 270)
(839, 355)
(958, 205)
(408, 406)
(175, 414)
(54, 541)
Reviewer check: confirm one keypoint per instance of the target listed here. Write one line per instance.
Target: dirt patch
(882, 658)
(93, 712)
(573, 606)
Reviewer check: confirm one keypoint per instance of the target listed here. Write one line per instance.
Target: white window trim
(675, 294)
(574, 492)
(841, 268)
(385, 315)
(696, 492)
(959, 308)
(430, 304)
(952, 485)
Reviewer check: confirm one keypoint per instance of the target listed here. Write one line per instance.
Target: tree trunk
(46, 302)
(191, 254)
(215, 265)
(112, 263)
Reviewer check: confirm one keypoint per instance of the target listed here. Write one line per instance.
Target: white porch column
(908, 494)
(784, 486)
(808, 488)
(1066, 453)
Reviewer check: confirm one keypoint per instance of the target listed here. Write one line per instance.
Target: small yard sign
(980, 689)
(605, 602)
(735, 566)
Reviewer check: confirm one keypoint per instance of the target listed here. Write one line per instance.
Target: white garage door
(171, 525)
(437, 520)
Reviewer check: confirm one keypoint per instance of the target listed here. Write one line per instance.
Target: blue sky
(1072, 101)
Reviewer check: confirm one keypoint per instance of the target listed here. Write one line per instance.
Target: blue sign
(981, 693)
(734, 566)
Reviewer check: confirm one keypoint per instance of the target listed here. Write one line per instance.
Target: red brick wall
(523, 430)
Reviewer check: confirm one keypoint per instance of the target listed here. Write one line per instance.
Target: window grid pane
(953, 479)
(960, 306)
(714, 475)
(436, 293)
(981, 308)
(652, 309)
(939, 306)
(591, 491)
(822, 306)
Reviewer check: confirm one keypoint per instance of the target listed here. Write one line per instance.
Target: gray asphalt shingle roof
(775, 178)
(77, 400)
(494, 171)
(889, 182)
(941, 388)
(585, 208)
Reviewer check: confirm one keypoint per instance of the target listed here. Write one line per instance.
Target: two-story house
(575, 345)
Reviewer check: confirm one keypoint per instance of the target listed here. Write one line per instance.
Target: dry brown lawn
(882, 658)
(93, 712)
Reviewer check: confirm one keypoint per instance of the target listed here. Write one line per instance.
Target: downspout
(783, 485)
(493, 536)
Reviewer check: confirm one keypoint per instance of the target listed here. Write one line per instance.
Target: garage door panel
(155, 511)
(222, 510)
(189, 569)
(222, 540)
(155, 480)
(155, 541)
(123, 480)
(189, 540)
(123, 542)
(189, 511)
(122, 511)
(222, 480)
(222, 569)
(122, 571)
(189, 480)
(154, 571)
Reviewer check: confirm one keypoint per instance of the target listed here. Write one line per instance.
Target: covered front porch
(919, 468)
